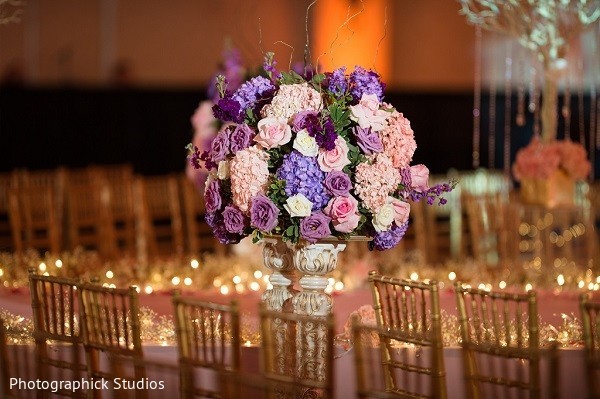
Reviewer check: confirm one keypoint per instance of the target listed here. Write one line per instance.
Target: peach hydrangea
(291, 99)
(574, 159)
(398, 139)
(249, 175)
(375, 181)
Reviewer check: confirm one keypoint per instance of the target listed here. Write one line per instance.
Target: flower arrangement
(539, 160)
(309, 156)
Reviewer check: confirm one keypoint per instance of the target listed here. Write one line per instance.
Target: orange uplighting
(352, 32)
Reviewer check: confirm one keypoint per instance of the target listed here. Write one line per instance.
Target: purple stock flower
(228, 110)
(195, 157)
(388, 239)
(240, 138)
(251, 93)
(338, 183)
(212, 197)
(302, 175)
(365, 82)
(323, 132)
(219, 148)
(315, 227)
(367, 140)
(233, 219)
(233, 70)
(263, 213)
(327, 138)
(336, 81)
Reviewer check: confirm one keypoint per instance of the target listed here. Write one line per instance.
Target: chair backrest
(500, 331)
(54, 305)
(208, 337)
(297, 354)
(110, 323)
(590, 316)
(410, 310)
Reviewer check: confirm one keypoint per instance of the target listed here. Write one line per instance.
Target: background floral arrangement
(539, 160)
(308, 156)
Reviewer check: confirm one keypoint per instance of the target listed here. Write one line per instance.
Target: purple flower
(302, 175)
(337, 183)
(315, 227)
(212, 197)
(216, 223)
(388, 239)
(233, 219)
(336, 81)
(219, 148)
(323, 132)
(240, 138)
(233, 70)
(328, 136)
(251, 94)
(263, 213)
(228, 110)
(367, 140)
(365, 82)
(195, 157)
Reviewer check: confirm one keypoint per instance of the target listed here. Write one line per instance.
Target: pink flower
(335, 159)
(375, 181)
(273, 132)
(291, 99)
(249, 175)
(401, 210)
(367, 113)
(343, 212)
(398, 140)
(574, 159)
(536, 160)
(419, 175)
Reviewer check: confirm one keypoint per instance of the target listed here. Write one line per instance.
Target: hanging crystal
(477, 99)
(507, 106)
(492, 120)
(566, 108)
(520, 119)
(580, 104)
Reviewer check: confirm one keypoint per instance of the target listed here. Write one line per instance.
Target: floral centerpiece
(309, 156)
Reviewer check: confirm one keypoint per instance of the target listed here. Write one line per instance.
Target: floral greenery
(325, 157)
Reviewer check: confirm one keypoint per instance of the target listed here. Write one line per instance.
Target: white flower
(305, 144)
(383, 219)
(223, 170)
(367, 113)
(298, 206)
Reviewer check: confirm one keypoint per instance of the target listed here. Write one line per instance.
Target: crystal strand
(580, 104)
(520, 120)
(477, 98)
(507, 105)
(492, 121)
(566, 108)
(592, 126)
(535, 104)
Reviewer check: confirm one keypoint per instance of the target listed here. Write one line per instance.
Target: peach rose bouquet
(309, 156)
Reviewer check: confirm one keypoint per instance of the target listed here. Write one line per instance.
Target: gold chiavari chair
(110, 324)
(296, 354)
(208, 339)
(162, 377)
(410, 312)
(54, 306)
(500, 341)
(590, 316)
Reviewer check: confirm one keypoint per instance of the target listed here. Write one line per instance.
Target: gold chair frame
(590, 317)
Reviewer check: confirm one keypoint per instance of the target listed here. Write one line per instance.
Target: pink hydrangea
(398, 139)
(574, 159)
(249, 175)
(375, 181)
(291, 99)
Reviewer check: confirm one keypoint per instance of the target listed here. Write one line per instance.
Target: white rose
(305, 144)
(223, 170)
(298, 206)
(383, 219)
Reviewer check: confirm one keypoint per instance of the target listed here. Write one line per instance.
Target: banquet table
(552, 307)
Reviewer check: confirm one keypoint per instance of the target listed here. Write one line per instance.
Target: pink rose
(367, 113)
(419, 175)
(334, 159)
(273, 132)
(401, 210)
(343, 212)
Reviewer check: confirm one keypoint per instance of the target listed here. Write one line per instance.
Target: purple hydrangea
(336, 81)
(241, 138)
(228, 110)
(302, 175)
(315, 227)
(368, 141)
(388, 239)
(263, 213)
(338, 183)
(251, 94)
(365, 82)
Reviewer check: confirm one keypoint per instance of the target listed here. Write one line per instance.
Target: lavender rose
(212, 196)
(315, 227)
(219, 148)
(337, 183)
(241, 138)
(233, 219)
(263, 213)
(367, 140)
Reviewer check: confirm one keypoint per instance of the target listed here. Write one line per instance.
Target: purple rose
(219, 148)
(212, 197)
(263, 213)
(315, 227)
(233, 220)
(240, 138)
(367, 140)
(337, 183)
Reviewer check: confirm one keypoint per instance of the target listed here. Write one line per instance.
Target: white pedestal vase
(279, 258)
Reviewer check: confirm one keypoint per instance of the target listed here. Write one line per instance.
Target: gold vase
(556, 190)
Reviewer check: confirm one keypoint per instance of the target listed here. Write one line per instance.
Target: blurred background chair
(408, 314)
(590, 311)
